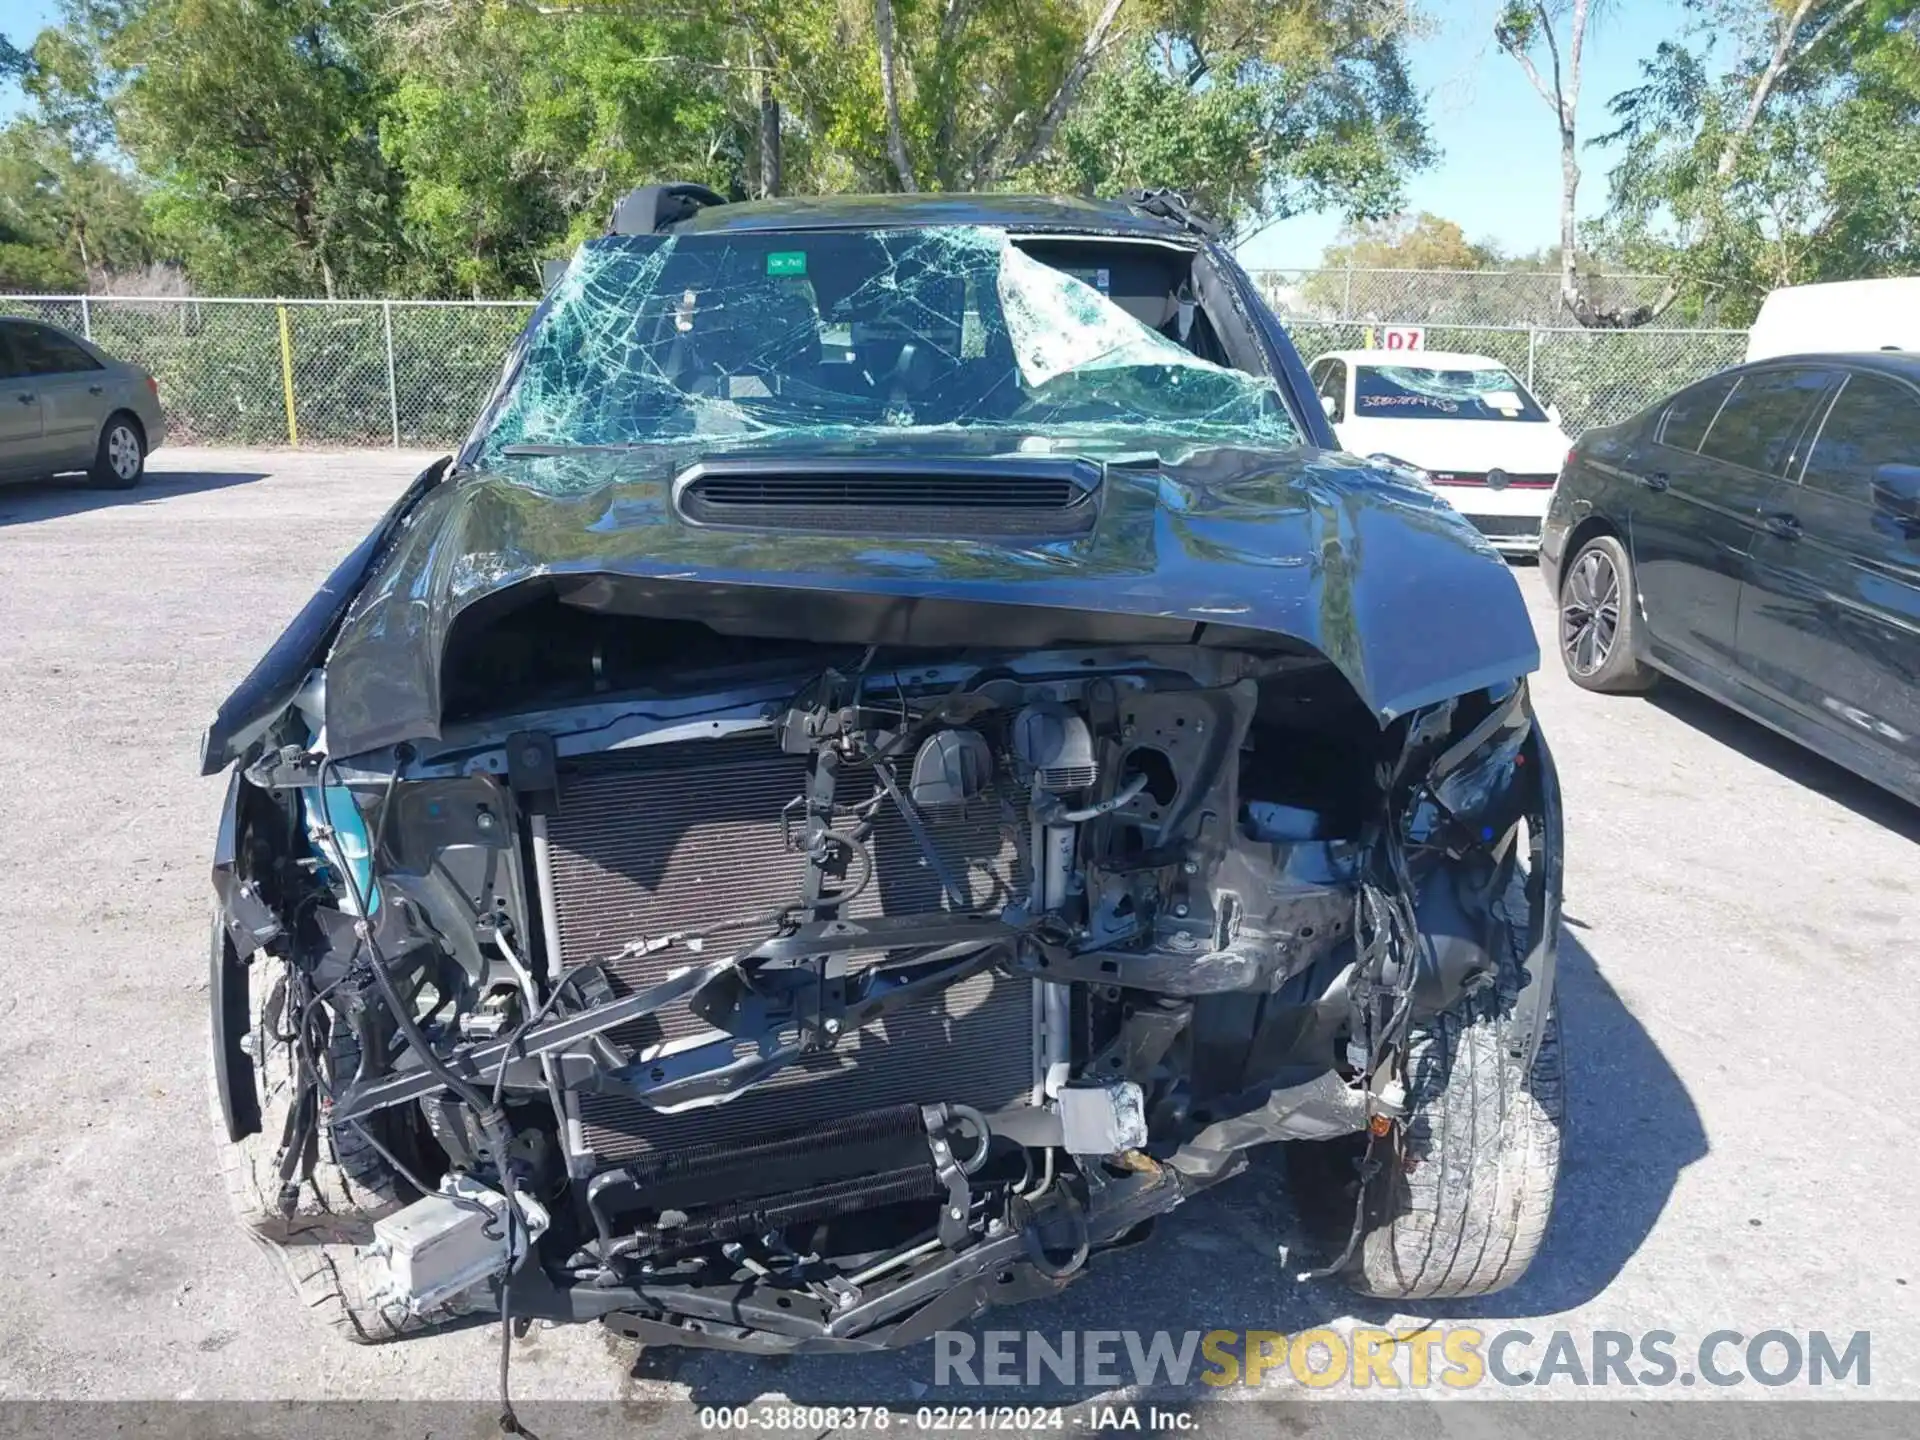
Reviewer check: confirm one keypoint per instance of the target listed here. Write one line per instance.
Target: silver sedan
(65, 404)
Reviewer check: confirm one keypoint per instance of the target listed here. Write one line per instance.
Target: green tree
(64, 216)
(1254, 107)
(67, 210)
(259, 124)
(448, 146)
(1409, 242)
(515, 131)
(1257, 109)
(1407, 268)
(1797, 161)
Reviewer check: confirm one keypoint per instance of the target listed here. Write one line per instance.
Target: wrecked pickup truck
(895, 754)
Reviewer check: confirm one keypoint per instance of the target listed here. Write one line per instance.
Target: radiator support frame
(930, 977)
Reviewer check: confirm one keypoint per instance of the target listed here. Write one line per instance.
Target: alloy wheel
(1590, 613)
(123, 452)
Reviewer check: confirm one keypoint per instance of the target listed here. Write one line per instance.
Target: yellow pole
(286, 375)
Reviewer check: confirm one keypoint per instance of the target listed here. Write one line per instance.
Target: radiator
(679, 837)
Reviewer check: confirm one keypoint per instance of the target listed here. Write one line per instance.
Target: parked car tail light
(153, 384)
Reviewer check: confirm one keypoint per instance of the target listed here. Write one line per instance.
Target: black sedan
(1757, 536)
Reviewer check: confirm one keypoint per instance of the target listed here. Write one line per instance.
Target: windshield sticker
(1424, 402)
(722, 338)
(1101, 278)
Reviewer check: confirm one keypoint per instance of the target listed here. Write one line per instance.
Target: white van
(1838, 317)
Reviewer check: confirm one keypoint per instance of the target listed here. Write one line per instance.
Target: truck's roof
(1067, 214)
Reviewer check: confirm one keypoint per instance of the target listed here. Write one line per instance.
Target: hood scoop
(1026, 497)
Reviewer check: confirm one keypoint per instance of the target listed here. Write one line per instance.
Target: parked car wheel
(1598, 626)
(343, 1185)
(121, 460)
(1461, 1203)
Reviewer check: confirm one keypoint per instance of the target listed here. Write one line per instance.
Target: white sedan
(1465, 420)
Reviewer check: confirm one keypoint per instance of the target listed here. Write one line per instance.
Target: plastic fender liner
(242, 922)
(234, 1088)
(242, 910)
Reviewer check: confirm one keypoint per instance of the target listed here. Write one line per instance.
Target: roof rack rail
(652, 208)
(1172, 205)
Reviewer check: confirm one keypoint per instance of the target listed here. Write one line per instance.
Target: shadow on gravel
(1788, 758)
(1214, 1264)
(24, 503)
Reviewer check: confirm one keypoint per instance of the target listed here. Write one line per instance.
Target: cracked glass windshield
(754, 337)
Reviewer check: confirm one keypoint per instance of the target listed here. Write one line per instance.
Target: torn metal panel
(1240, 547)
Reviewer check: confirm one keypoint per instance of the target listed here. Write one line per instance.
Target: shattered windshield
(756, 337)
(1420, 392)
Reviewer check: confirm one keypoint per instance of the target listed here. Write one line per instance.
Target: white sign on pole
(1403, 337)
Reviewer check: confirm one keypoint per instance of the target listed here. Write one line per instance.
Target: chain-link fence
(302, 372)
(1595, 376)
(415, 372)
(1446, 297)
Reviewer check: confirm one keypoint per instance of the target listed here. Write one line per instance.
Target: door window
(42, 350)
(1757, 426)
(1692, 411)
(1875, 422)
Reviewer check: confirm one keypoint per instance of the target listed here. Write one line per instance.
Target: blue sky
(20, 21)
(1498, 173)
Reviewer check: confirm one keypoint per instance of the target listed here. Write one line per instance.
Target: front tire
(1460, 1194)
(1599, 626)
(343, 1183)
(1461, 1203)
(120, 460)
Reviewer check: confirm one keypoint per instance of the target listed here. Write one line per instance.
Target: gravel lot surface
(1740, 988)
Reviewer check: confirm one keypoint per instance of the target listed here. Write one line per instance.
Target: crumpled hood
(1377, 574)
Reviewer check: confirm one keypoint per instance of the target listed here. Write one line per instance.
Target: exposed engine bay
(823, 995)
